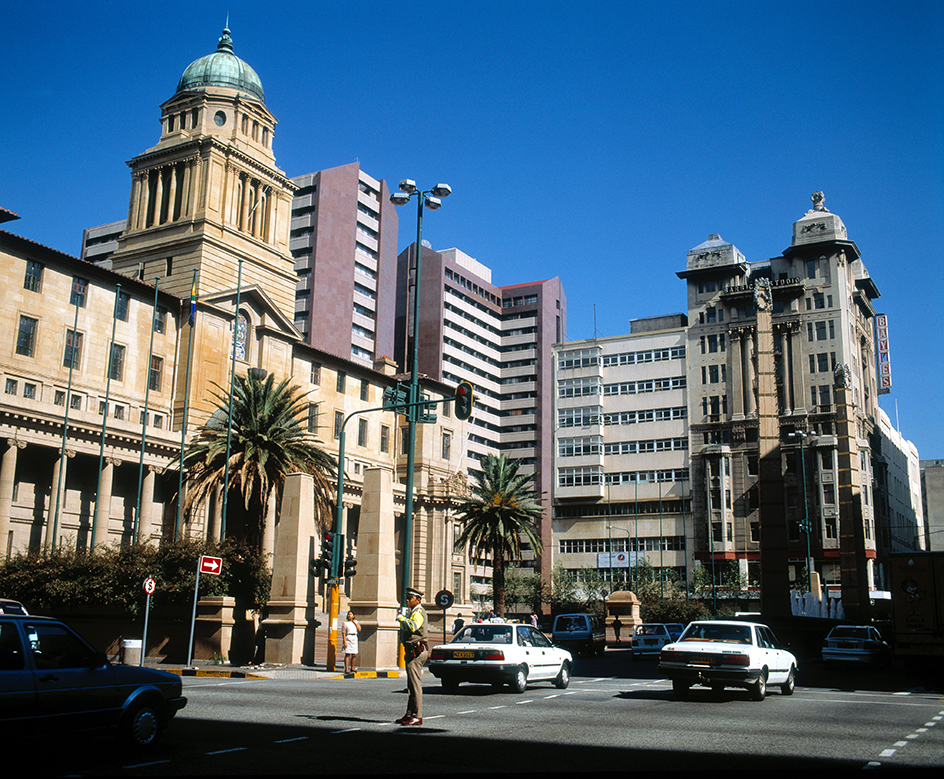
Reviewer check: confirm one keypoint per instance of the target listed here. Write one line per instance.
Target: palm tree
(267, 443)
(502, 510)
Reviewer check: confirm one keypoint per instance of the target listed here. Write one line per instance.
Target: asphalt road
(616, 715)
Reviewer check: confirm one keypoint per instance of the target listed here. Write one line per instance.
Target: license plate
(463, 655)
(702, 660)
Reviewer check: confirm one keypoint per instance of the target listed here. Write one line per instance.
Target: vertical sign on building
(882, 357)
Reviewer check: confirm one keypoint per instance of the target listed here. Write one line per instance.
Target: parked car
(52, 681)
(579, 633)
(8, 606)
(500, 653)
(649, 638)
(856, 644)
(719, 654)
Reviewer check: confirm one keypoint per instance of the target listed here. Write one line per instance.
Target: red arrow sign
(211, 564)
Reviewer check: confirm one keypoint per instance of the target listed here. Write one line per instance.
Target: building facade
(500, 339)
(621, 454)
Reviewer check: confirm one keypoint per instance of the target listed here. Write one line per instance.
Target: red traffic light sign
(463, 400)
(211, 564)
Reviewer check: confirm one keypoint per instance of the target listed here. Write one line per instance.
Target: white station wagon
(500, 653)
(719, 654)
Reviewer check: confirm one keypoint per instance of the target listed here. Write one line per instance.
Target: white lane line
(224, 751)
(345, 730)
(289, 740)
(145, 765)
(470, 711)
(498, 707)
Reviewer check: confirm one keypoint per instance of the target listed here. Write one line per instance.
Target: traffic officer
(413, 635)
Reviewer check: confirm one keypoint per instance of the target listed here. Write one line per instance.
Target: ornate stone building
(109, 371)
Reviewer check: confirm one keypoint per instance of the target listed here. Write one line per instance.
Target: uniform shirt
(413, 627)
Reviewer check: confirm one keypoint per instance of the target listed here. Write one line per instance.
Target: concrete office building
(499, 339)
(621, 487)
(932, 495)
(344, 244)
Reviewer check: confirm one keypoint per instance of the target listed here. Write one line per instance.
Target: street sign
(444, 599)
(211, 564)
(150, 585)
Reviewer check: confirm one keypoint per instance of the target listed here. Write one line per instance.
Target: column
(146, 516)
(243, 201)
(102, 514)
(796, 368)
(172, 193)
(735, 360)
(268, 530)
(158, 197)
(60, 467)
(187, 194)
(7, 482)
(750, 408)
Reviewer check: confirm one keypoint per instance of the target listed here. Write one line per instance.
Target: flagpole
(232, 386)
(104, 503)
(183, 426)
(144, 417)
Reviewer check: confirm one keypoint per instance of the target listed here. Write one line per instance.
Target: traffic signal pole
(417, 410)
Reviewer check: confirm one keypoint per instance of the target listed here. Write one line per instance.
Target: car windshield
(650, 630)
(484, 634)
(729, 634)
(849, 632)
(571, 623)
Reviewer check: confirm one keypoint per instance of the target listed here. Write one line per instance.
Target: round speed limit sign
(150, 585)
(444, 599)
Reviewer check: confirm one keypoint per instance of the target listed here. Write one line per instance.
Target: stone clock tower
(209, 192)
(210, 213)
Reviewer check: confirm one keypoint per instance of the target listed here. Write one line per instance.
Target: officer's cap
(413, 593)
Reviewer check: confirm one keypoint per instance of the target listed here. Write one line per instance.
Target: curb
(215, 674)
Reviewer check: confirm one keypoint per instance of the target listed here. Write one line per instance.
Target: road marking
(887, 752)
(518, 703)
(498, 707)
(436, 716)
(224, 751)
(901, 743)
(470, 711)
(145, 765)
(346, 730)
(288, 740)
(548, 697)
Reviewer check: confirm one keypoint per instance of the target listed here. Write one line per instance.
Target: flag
(193, 300)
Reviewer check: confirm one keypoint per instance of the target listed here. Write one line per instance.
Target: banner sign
(882, 355)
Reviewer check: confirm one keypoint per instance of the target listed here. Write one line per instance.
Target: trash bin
(131, 652)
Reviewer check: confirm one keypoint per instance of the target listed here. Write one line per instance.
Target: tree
(267, 443)
(503, 508)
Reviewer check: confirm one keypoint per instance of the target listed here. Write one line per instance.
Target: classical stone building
(110, 370)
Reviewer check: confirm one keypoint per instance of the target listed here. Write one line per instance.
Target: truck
(917, 587)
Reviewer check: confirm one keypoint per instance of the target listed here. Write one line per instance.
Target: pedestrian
(458, 624)
(495, 618)
(534, 620)
(617, 626)
(413, 636)
(350, 629)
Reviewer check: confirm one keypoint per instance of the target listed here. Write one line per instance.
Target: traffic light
(317, 567)
(350, 566)
(327, 550)
(464, 400)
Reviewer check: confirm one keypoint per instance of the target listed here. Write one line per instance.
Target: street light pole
(432, 200)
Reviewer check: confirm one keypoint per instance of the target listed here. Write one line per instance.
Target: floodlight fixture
(433, 203)
(441, 190)
(399, 198)
(408, 186)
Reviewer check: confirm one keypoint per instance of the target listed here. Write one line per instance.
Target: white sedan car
(500, 653)
(719, 654)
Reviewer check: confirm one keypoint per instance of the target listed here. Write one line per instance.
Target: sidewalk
(204, 668)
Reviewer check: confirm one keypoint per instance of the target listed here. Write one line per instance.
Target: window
(160, 320)
(446, 445)
(117, 368)
(11, 387)
(312, 417)
(26, 336)
(341, 382)
(73, 351)
(338, 423)
(29, 391)
(119, 412)
(122, 304)
(156, 374)
(59, 398)
(75, 403)
(316, 373)
(362, 432)
(79, 292)
(365, 389)
(34, 276)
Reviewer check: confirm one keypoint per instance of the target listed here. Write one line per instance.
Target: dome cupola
(222, 69)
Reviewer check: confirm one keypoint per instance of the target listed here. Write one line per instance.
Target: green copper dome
(222, 69)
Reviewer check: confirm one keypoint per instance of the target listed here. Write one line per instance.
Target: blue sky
(595, 141)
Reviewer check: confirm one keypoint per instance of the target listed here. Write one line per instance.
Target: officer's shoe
(403, 719)
(412, 721)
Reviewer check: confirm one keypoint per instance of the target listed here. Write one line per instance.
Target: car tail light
(736, 659)
(670, 657)
(438, 654)
(493, 654)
